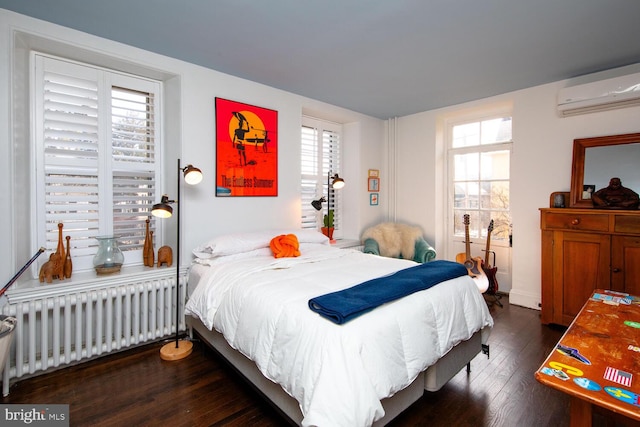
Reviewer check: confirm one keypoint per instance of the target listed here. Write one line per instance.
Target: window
(320, 156)
(479, 161)
(96, 139)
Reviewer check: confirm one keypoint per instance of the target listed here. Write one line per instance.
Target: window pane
(466, 195)
(501, 226)
(495, 195)
(132, 125)
(495, 164)
(309, 151)
(466, 135)
(496, 130)
(459, 226)
(466, 166)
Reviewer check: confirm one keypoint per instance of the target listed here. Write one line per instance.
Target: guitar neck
(488, 249)
(467, 243)
(486, 255)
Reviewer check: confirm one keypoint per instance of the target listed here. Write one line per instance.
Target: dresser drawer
(627, 224)
(575, 221)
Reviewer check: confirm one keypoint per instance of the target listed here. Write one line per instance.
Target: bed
(254, 310)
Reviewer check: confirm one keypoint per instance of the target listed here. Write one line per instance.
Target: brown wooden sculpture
(60, 251)
(147, 250)
(615, 196)
(68, 265)
(165, 256)
(151, 251)
(51, 268)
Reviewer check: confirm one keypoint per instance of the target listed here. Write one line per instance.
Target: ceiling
(384, 58)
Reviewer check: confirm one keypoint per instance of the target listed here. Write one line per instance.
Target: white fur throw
(394, 239)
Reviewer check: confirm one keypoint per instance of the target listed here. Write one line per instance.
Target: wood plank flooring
(137, 388)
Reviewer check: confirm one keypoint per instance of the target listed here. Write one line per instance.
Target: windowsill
(88, 280)
(347, 243)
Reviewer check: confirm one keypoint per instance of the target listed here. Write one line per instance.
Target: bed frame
(432, 379)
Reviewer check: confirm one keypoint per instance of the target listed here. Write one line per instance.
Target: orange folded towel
(285, 245)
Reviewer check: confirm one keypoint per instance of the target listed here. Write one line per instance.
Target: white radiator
(61, 325)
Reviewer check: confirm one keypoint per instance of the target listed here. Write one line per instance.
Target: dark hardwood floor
(137, 388)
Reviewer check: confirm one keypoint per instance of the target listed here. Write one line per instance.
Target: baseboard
(524, 299)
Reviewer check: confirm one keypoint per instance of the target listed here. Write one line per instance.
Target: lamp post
(192, 176)
(335, 183)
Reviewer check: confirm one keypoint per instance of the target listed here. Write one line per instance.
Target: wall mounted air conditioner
(601, 95)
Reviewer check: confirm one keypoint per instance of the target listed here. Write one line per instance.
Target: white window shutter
(96, 139)
(320, 154)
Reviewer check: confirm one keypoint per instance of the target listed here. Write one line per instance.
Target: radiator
(66, 325)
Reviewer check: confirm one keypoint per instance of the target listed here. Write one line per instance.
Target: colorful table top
(598, 357)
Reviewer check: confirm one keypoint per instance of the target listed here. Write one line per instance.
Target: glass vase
(109, 258)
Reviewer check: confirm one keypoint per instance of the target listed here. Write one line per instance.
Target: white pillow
(236, 243)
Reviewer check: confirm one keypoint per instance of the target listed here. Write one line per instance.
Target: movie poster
(246, 150)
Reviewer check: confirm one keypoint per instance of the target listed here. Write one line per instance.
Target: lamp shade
(317, 204)
(337, 182)
(192, 175)
(162, 209)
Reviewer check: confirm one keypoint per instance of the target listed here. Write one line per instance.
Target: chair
(396, 240)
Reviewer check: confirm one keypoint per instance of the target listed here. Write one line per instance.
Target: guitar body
(473, 265)
(488, 269)
(490, 272)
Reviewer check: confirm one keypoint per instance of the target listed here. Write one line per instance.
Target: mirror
(597, 160)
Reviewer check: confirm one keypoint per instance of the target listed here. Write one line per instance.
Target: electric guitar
(473, 265)
(486, 266)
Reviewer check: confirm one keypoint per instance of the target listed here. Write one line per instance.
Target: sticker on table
(621, 294)
(555, 373)
(632, 324)
(612, 300)
(624, 395)
(618, 376)
(570, 369)
(572, 352)
(602, 297)
(587, 383)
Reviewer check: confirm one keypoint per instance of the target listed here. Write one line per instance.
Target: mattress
(337, 373)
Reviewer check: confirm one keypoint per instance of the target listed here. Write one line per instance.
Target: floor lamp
(335, 183)
(192, 175)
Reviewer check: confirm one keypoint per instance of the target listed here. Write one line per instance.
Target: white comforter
(338, 373)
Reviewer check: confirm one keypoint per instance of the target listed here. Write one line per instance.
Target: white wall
(541, 160)
(190, 131)
(541, 164)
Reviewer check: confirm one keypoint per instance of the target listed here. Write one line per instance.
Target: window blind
(320, 155)
(96, 137)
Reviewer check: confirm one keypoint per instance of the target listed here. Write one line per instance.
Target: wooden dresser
(583, 250)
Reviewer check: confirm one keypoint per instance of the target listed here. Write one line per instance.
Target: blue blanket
(344, 305)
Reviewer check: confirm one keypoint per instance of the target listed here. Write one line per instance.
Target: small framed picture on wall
(373, 199)
(374, 184)
(374, 173)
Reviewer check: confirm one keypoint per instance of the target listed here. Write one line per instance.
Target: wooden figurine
(151, 251)
(68, 265)
(615, 196)
(147, 250)
(165, 256)
(51, 268)
(60, 251)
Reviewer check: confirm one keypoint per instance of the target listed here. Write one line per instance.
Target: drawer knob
(575, 221)
(616, 270)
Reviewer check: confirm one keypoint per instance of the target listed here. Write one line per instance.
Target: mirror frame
(577, 170)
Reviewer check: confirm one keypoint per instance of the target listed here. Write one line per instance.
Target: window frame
(478, 230)
(107, 79)
(328, 159)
